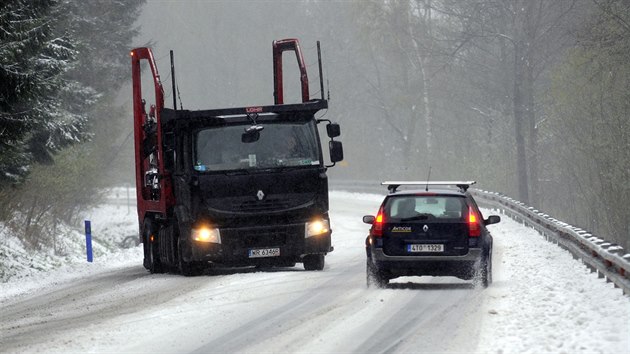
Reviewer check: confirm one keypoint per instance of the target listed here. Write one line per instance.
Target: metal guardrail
(606, 258)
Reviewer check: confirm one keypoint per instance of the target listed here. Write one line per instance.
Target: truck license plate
(431, 247)
(264, 252)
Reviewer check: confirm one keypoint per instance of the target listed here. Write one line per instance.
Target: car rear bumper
(473, 254)
(394, 266)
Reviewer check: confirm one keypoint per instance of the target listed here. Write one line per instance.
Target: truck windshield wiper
(242, 171)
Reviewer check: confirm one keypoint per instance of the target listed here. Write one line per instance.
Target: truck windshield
(284, 144)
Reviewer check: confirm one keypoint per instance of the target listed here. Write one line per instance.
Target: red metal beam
(145, 204)
(280, 46)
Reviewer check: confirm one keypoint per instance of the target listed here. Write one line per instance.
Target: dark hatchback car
(435, 231)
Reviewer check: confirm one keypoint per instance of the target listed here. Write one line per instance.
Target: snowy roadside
(112, 226)
(544, 301)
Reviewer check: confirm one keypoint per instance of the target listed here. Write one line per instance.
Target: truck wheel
(314, 262)
(155, 264)
(185, 268)
(151, 249)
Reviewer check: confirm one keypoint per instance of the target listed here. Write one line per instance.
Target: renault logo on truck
(260, 195)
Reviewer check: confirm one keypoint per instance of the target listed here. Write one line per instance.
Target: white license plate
(264, 252)
(431, 247)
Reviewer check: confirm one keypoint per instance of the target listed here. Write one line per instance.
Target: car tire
(374, 277)
(483, 274)
(486, 278)
(314, 262)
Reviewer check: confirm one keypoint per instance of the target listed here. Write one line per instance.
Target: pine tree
(33, 60)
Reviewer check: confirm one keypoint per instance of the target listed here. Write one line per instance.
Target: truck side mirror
(333, 130)
(336, 151)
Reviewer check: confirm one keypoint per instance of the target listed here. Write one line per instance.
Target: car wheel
(483, 274)
(374, 277)
(486, 278)
(314, 262)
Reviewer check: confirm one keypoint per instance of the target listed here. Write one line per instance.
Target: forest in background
(529, 97)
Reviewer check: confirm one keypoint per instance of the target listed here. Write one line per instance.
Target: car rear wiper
(423, 216)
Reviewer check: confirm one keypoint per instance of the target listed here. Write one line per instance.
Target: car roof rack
(393, 185)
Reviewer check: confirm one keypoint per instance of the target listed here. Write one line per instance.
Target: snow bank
(542, 300)
(113, 227)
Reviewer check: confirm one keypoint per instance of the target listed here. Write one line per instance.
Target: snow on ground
(114, 227)
(541, 301)
(544, 301)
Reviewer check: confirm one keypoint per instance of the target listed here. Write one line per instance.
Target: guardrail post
(88, 240)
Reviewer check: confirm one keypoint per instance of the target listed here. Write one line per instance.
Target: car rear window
(417, 206)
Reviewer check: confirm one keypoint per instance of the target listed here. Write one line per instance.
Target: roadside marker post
(88, 240)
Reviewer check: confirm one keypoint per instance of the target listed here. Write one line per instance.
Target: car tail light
(474, 229)
(377, 227)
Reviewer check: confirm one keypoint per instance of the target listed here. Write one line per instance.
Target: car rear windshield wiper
(419, 217)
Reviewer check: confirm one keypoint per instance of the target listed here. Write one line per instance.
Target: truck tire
(314, 262)
(187, 269)
(151, 249)
(155, 264)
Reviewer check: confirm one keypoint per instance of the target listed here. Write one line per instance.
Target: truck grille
(262, 236)
(251, 204)
(261, 205)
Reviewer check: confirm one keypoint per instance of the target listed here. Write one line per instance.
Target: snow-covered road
(541, 301)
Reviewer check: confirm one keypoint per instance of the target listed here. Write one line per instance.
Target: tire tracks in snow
(289, 317)
(40, 317)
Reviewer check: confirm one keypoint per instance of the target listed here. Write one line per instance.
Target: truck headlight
(316, 227)
(206, 234)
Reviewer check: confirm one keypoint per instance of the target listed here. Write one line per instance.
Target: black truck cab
(251, 189)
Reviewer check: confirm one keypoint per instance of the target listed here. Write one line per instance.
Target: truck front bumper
(237, 243)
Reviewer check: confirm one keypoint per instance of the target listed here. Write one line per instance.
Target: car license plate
(431, 247)
(264, 252)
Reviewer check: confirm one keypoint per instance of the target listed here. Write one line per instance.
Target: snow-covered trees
(34, 119)
(61, 64)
